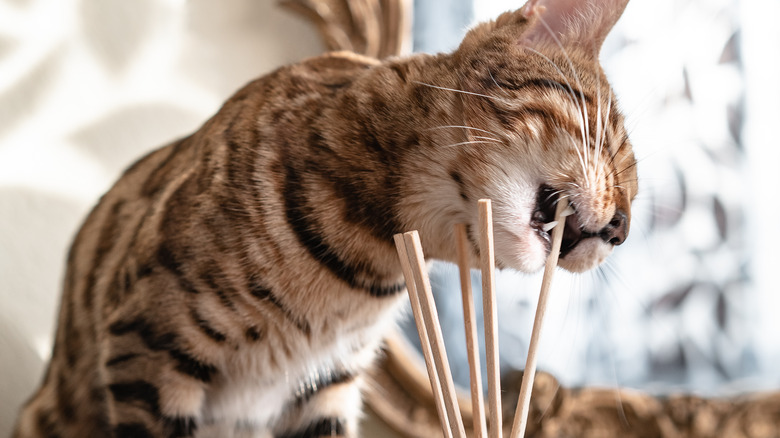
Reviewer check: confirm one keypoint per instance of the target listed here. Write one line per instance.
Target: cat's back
(196, 176)
(199, 158)
(313, 78)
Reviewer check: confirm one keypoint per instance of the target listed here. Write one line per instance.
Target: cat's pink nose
(615, 232)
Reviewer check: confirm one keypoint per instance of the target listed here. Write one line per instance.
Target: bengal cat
(238, 282)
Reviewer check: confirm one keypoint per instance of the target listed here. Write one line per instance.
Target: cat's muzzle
(547, 197)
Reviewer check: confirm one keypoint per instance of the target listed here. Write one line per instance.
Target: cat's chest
(256, 392)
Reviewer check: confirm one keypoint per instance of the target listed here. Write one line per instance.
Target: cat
(239, 281)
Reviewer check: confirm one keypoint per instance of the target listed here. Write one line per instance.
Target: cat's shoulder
(315, 76)
(340, 61)
(331, 70)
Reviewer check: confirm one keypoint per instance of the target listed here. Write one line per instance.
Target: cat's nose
(615, 232)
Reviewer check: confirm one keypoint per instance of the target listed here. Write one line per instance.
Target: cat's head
(546, 127)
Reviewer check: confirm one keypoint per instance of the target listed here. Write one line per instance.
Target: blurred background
(689, 302)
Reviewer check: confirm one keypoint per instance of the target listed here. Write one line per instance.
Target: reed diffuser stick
(524, 402)
(433, 329)
(433, 376)
(490, 310)
(470, 322)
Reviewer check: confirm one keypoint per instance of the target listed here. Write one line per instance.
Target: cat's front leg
(135, 410)
(332, 411)
(154, 387)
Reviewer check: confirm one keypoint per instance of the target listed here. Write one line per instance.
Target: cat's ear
(571, 23)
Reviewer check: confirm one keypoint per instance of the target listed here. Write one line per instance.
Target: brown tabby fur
(238, 281)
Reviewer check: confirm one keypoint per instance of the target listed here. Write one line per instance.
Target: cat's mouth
(544, 215)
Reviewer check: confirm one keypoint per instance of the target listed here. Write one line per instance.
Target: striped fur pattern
(239, 281)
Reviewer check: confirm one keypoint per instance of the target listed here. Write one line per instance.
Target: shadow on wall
(116, 139)
(21, 367)
(41, 226)
(223, 42)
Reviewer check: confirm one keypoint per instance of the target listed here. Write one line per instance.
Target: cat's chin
(530, 254)
(588, 254)
(526, 254)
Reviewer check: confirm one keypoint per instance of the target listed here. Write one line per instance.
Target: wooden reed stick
(489, 310)
(438, 397)
(470, 322)
(524, 402)
(431, 319)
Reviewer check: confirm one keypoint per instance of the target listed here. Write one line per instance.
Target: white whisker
(572, 96)
(464, 127)
(584, 110)
(606, 123)
(582, 162)
(599, 132)
(469, 142)
(586, 137)
(553, 194)
(494, 140)
(567, 196)
(455, 90)
(497, 85)
(600, 143)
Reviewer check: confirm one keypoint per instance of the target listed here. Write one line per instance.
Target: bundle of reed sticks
(427, 322)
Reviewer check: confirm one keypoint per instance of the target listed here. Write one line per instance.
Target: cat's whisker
(605, 127)
(577, 102)
(585, 135)
(637, 180)
(617, 150)
(471, 142)
(602, 140)
(487, 138)
(616, 172)
(583, 108)
(464, 127)
(497, 84)
(598, 126)
(553, 195)
(566, 177)
(570, 91)
(455, 90)
(586, 140)
(572, 97)
(550, 403)
(602, 125)
(582, 163)
(567, 196)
